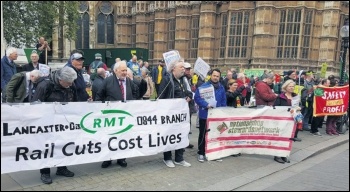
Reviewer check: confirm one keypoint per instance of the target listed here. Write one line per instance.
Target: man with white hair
(174, 85)
(21, 86)
(117, 87)
(59, 88)
(8, 68)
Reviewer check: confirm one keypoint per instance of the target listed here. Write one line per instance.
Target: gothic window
(150, 40)
(307, 34)
(83, 35)
(194, 37)
(171, 34)
(133, 35)
(238, 34)
(288, 35)
(223, 35)
(105, 23)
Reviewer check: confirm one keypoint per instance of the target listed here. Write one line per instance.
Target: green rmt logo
(106, 122)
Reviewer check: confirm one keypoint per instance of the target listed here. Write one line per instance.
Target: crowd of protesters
(134, 80)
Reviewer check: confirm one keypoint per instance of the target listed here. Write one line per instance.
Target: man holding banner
(211, 94)
(174, 85)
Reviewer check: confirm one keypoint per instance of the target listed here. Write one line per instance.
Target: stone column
(182, 31)
(206, 38)
(160, 30)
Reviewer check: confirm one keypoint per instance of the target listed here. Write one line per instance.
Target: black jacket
(232, 97)
(96, 85)
(50, 90)
(171, 88)
(110, 90)
(80, 85)
(29, 67)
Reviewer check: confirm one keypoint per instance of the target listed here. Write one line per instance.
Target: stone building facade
(277, 35)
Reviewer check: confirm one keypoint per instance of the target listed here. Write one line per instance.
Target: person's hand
(245, 84)
(188, 99)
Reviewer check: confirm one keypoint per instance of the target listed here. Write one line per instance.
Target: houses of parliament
(276, 35)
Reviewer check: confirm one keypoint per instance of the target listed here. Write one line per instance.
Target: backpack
(93, 69)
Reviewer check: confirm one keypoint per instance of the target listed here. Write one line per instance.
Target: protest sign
(265, 131)
(330, 100)
(254, 72)
(171, 56)
(53, 134)
(323, 70)
(44, 70)
(201, 68)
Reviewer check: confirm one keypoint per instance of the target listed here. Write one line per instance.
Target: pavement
(150, 173)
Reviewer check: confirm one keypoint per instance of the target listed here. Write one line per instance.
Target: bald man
(117, 87)
(97, 82)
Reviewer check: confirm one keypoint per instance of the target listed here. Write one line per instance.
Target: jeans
(47, 170)
(179, 155)
(201, 136)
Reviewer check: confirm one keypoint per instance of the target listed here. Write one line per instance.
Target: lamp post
(344, 33)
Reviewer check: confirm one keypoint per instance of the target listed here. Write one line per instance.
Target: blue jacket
(131, 65)
(79, 84)
(7, 71)
(220, 96)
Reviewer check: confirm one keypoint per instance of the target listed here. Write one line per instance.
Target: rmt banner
(330, 100)
(54, 134)
(265, 131)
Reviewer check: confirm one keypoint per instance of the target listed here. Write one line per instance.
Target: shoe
(106, 164)
(169, 163)
(183, 163)
(329, 133)
(306, 129)
(122, 163)
(190, 146)
(201, 158)
(46, 178)
(278, 159)
(295, 139)
(236, 155)
(285, 159)
(316, 134)
(335, 133)
(64, 172)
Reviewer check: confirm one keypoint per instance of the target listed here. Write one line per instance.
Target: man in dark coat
(98, 81)
(77, 60)
(59, 88)
(8, 69)
(117, 87)
(174, 85)
(158, 73)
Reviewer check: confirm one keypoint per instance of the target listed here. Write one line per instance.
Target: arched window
(105, 23)
(83, 36)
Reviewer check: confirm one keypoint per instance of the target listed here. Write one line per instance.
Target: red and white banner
(331, 101)
(265, 131)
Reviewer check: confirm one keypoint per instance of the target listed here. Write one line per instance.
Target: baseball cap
(187, 65)
(77, 56)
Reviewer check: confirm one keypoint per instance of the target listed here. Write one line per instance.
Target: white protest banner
(44, 70)
(201, 67)
(171, 56)
(264, 131)
(52, 134)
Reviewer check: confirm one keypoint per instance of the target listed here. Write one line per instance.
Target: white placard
(53, 134)
(171, 56)
(44, 70)
(201, 68)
